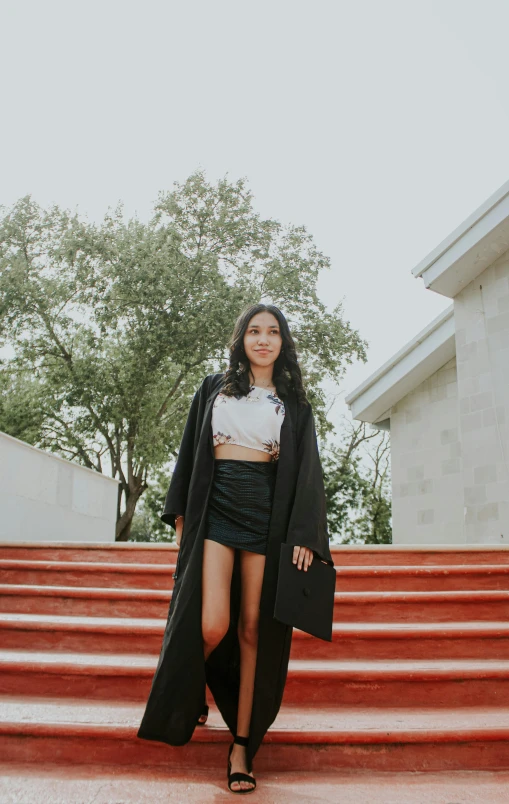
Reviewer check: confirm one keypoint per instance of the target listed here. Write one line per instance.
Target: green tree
(113, 326)
(21, 404)
(357, 486)
(146, 524)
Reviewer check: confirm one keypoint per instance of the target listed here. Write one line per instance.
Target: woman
(248, 478)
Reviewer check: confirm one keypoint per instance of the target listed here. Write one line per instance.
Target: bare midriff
(239, 453)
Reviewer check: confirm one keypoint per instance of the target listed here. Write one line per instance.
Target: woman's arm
(179, 527)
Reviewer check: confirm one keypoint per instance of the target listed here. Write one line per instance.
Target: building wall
(44, 497)
(427, 482)
(481, 313)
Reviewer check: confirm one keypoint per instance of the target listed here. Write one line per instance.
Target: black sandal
(238, 776)
(205, 714)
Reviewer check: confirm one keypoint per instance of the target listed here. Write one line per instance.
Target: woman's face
(263, 333)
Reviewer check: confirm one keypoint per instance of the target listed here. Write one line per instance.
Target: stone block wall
(481, 313)
(427, 482)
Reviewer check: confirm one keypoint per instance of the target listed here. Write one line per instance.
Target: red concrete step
(347, 683)
(406, 683)
(304, 737)
(43, 632)
(447, 606)
(115, 552)
(86, 573)
(427, 578)
(343, 555)
(369, 607)
(84, 601)
(418, 555)
(407, 640)
(159, 576)
(413, 628)
(61, 783)
(46, 632)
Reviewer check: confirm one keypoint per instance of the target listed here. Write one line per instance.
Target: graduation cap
(305, 599)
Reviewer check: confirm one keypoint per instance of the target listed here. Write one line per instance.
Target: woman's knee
(248, 632)
(213, 631)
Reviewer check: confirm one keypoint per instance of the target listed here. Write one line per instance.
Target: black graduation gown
(298, 517)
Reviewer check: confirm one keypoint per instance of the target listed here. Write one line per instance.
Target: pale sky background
(379, 126)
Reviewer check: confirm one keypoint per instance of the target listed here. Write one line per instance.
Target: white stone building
(445, 395)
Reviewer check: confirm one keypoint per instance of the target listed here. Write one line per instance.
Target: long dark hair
(286, 373)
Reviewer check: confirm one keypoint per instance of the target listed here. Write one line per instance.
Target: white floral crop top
(250, 421)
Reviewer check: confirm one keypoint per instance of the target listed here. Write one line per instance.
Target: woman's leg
(252, 566)
(216, 582)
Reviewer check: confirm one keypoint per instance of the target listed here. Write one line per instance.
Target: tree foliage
(114, 325)
(357, 486)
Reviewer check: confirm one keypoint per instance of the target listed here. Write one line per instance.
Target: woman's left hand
(302, 556)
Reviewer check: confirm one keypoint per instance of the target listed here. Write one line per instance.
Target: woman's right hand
(179, 527)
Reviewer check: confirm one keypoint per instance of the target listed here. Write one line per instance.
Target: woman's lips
(263, 351)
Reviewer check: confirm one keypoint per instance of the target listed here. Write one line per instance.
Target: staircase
(416, 678)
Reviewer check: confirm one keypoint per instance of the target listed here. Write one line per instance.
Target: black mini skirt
(240, 503)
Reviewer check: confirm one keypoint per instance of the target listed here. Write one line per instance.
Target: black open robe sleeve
(308, 519)
(176, 497)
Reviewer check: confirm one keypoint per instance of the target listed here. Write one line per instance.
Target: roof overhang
(470, 248)
(431, 349)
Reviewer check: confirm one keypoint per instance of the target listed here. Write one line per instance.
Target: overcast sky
(378, 125)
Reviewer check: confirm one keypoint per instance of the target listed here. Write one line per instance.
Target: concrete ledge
(49, 498)
(470, 248)
(427, 352)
